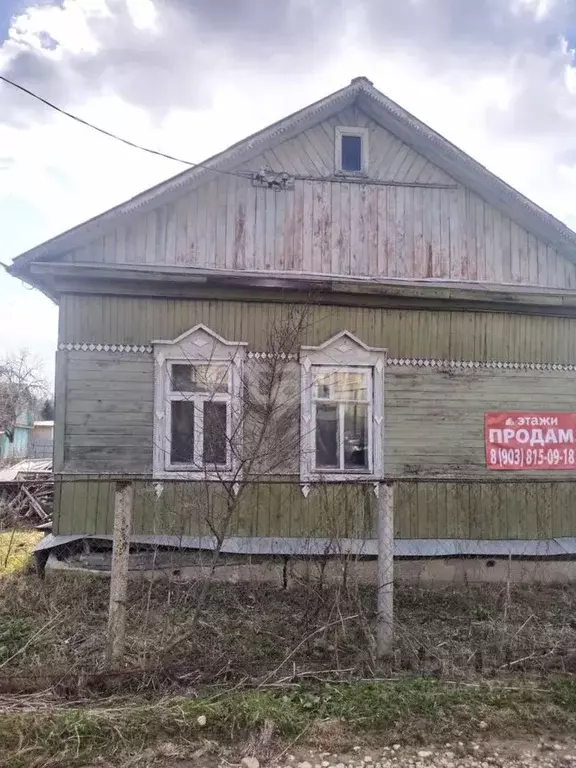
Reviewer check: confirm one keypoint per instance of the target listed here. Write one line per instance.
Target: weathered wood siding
(312, 153)
(408, 219)
(434, 510)
(188, 509)
(481, 336)
(109, 411)
(433, 415)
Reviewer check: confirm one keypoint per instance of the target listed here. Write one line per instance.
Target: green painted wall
(424, 510)
(434, 417)
(405, 333)
(433, 429)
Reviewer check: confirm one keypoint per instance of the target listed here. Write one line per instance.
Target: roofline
(507, 192)
(444, 154)
(220, 161)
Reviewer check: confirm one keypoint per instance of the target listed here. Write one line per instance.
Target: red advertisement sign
(530, 440)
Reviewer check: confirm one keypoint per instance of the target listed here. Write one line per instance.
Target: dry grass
(260, 659)
(52, 634)
(15, 549)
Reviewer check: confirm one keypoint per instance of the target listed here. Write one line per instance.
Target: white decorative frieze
(272, 356)
(97, 347)
(391, 362)
(422, 362)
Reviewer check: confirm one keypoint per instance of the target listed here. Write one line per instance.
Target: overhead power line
(115, 136)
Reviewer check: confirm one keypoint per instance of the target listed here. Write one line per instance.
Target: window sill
(196, 475)
(340, 477)
(352, 174)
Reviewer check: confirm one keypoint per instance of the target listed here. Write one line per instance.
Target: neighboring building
(15, 445)
(31, 439)
(41, 440)
(432, 289)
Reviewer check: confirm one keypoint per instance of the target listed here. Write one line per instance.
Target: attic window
(351, 153)
(351, 150)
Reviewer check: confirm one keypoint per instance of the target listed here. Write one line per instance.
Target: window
(351, 153)
(199, 415)
(351, 150)
(342, 404)
(342, 417)
(197, 405)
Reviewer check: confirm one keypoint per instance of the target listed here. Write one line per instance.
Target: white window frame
(344, 130)
(366, 371)
(343, 352)
(198, 399)
(198, 346)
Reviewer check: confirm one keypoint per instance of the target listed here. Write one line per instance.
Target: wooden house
(437, 301)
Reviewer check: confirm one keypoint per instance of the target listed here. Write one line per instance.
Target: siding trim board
(320, 547)
(420, 362)
(338, 278)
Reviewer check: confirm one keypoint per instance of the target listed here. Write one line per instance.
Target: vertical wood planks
(430, 510)
(171, 224)
(424, 333)
(337, 227)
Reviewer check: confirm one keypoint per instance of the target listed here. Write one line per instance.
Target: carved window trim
(347, 352)
(198, 346)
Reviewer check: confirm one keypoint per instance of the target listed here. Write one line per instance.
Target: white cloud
(495, 77)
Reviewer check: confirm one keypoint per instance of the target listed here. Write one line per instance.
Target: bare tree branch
(22, 387)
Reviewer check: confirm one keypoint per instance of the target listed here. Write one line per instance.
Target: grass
(53, 633)
(407, 710)
(15, 549)
(263, 655)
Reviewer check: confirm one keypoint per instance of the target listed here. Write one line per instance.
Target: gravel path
(459, 755)
(517, 754)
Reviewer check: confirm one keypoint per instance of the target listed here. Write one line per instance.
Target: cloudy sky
(190, 77)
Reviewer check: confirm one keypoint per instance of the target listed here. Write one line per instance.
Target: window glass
(351, 153)
(349, 386)
(341, 385)
(323, 383)
(327, 436)
(343, 413)
(182, 438)
(355, 436)
(199, 378)
(214, 451)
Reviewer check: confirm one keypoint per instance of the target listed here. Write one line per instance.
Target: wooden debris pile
(26, 503)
